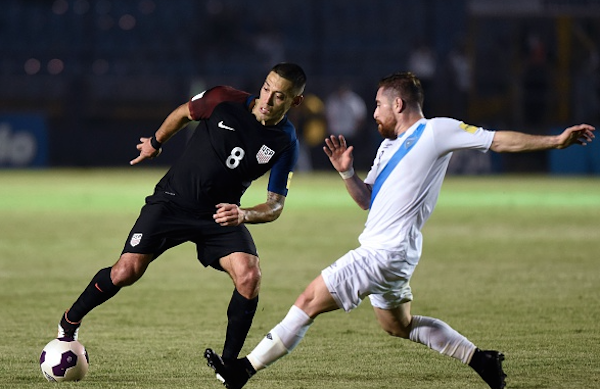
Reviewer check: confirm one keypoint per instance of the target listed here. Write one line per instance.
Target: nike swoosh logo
(222, 125)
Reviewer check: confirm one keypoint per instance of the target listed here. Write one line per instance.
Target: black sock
(247, 366)
(97, 292)
(239, 314)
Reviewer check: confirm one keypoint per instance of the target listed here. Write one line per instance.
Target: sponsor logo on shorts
(135, 239)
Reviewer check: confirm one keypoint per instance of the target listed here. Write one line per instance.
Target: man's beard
(388, 132)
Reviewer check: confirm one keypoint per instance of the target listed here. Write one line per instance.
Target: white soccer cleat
(64, 334)
(67, 329)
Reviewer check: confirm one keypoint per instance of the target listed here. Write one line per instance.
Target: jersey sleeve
(452, 135)
(281, 172)
(202, 105)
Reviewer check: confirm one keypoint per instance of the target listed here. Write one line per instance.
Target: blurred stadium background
(82, 80)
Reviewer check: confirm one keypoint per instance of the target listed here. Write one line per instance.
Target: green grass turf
(510, 262)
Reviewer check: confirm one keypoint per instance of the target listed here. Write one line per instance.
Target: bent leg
(440, 337)
(286, 335)
(431, 332)
(106, 284)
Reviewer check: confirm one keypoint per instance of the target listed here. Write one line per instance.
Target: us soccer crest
(135, 239)
(264, 155)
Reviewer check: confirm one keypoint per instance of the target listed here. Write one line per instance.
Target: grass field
(511, 262)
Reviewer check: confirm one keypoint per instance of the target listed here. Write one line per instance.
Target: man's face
(384, 115)
(275, 99)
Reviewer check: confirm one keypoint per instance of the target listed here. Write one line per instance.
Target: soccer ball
(64, 359)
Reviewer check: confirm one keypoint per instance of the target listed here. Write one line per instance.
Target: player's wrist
(347, 174)
(155, 143)
(242, 216)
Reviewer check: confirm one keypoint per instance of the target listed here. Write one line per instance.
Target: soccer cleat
(488, 364)
(68, 329)
(233, 374)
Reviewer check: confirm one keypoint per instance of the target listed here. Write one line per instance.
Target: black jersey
(227, 151)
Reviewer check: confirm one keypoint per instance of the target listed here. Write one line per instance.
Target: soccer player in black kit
(239, 138)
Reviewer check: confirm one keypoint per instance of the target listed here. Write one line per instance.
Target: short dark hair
(404, 85)
(293, 73)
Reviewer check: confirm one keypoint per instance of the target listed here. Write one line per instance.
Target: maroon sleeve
(202, 105)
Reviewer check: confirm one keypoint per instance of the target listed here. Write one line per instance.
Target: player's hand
(146, 151)
(339, 153)
(228, 215)
(580, 134)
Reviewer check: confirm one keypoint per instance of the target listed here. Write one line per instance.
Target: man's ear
(298, 100)
(400, 104)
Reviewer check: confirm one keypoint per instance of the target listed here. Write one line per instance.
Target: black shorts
(163, 224)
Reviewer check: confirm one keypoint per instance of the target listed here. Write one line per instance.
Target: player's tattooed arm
(265, 212)
(232, 215)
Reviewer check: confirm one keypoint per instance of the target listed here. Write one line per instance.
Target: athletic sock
(97, 292)
(282, 339)
(440, 337)
(240, 314)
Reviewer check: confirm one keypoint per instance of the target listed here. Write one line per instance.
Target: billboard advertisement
(23, 141)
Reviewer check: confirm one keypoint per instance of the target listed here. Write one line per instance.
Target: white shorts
(380, 274)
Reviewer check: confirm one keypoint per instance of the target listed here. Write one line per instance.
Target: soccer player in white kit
(400, 192)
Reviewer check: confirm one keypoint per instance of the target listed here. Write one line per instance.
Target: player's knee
(308, 302)
(304, 299)
(397, 330)
(397, 333)
(247, 283)
(127, 271)
(121, 276)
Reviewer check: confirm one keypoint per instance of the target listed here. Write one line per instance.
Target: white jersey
(407, 176)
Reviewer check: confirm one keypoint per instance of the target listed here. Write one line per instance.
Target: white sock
(440, 337)
(281, 340)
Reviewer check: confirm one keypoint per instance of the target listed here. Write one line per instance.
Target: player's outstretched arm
(340, 156)
(232, 215)
(172, 124)
(516, 142)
